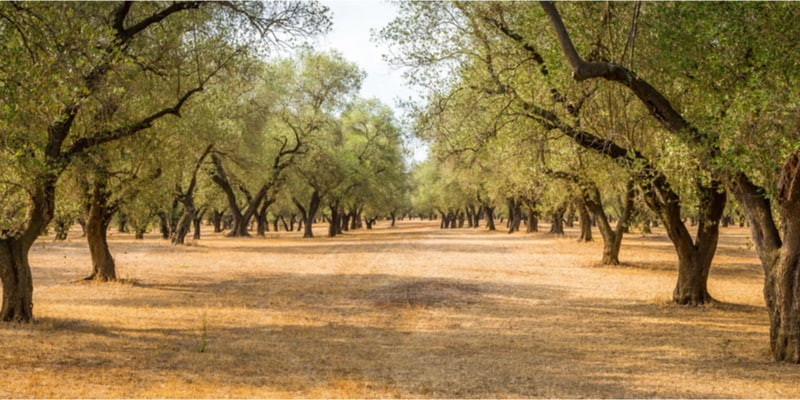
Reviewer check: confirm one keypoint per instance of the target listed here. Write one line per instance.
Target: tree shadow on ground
(414, 337)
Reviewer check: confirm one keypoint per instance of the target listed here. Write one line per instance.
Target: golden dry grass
(407, 312)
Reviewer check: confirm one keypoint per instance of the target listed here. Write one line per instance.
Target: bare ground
(406, 312)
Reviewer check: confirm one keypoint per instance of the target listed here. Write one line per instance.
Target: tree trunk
(694, 256)
(779, 258)
(782, 287)
(533, 220)
(82, 223)
(15, 272)
(216, 220)
(489, 218)
(646, 227)
(262, 225)
(309, 213)
(197, 222)
(335, 222)
(275, 223)
(100, 214)
(163, 225)
(62, 225)
(585, 221)
(103, 266)
(569, 216)
(184, 224)
(612, 238)
(122, 222)
(557, 227)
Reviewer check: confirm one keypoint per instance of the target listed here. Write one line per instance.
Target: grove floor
(411, 311)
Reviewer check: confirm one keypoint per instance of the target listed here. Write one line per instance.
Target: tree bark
(262, 225)
(336, 221)
(557, 227)
(15, 272)
(163, 224)
(612, 238)
(184, 223)
(533, 220)
(100, 216)
(514, 214)
(198, 222)
(216, 220)
(585, 221)
(489, 218)
(309, 213)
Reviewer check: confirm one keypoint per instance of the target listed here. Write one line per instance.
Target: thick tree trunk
(216, 220)
(569, 216)
(197, 222)
(694, 256)
(139, 233)
(394, 219)
(15, 272)
(533, 219)
(612, 238)
(240, 219)
(309, 213)
(514, 214)
(103, 266)
(335, 222)
(184, 224)
(557, 226)
(262, 225)
(779, 258)
(489, 218)
(163, 225)
(100, 215)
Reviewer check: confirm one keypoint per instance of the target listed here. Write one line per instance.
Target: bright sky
(353, 21)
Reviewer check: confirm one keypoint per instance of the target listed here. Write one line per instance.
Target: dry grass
(405, 312)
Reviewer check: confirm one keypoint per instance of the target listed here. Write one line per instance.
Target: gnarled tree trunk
(100, 213)
(489, 218)
(15, 272)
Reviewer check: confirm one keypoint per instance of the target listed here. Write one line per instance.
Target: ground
(411, 311)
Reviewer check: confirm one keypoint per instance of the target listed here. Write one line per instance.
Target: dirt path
(412, 311)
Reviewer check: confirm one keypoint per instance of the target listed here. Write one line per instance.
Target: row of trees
(675, 104)
(91, 96)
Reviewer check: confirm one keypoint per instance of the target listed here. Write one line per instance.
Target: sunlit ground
(407, 312)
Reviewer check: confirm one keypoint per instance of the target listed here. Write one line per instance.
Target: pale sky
(350, 35)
